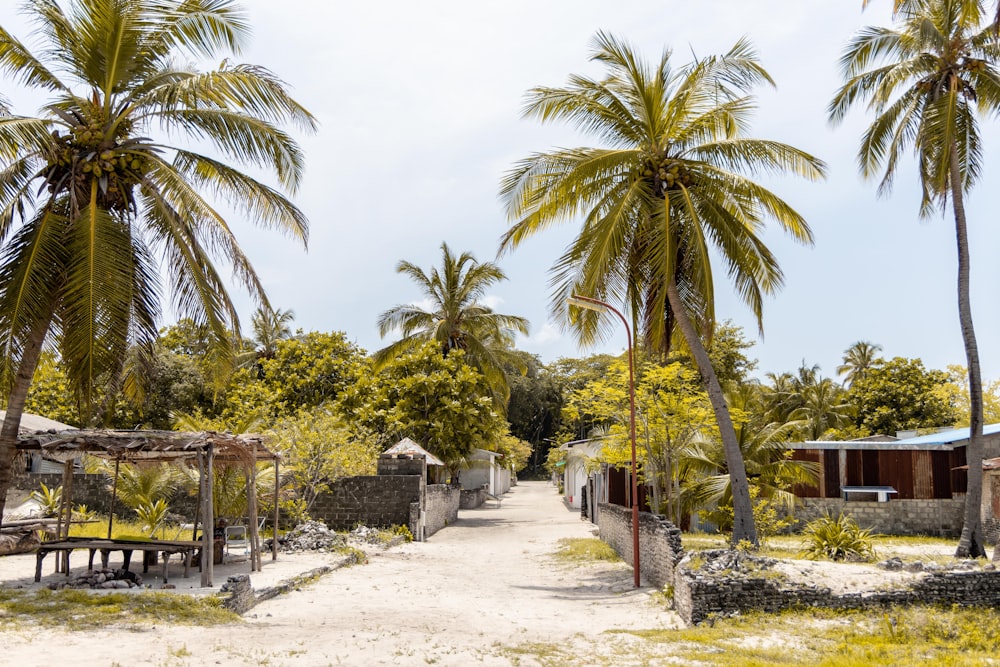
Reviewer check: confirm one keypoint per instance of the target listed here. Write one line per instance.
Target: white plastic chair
(236, 540)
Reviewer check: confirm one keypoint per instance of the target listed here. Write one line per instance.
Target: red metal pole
(631, 400)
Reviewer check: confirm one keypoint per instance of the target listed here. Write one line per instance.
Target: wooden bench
(127, 547)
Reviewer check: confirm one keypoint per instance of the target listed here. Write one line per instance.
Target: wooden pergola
(203, 449)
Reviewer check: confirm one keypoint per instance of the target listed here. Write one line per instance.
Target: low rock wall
(659, 541)
(472, 498)
(699, 595)
(441, 507)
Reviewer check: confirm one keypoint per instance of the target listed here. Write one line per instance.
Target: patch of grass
(585, 549)
(920, 635)
(76, 609)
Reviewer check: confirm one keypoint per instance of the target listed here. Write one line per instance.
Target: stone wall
(472, 498)
(938, 517)
(700, 594)
(378, 501)
(659, 541)
(440, 507)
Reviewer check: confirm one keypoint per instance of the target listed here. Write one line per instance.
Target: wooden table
(165, 547)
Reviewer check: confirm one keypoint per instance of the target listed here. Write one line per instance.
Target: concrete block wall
(89, 490)
(938, 517)
(659, 541)
(440, 507)
(376, 500)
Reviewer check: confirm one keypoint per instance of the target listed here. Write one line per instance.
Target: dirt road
(486, 591)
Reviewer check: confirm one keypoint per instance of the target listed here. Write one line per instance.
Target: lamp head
(589, 304)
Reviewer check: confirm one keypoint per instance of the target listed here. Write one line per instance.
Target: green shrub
(49, 500)
(838, 538)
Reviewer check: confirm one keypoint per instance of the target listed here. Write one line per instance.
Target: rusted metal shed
(203, 450)
(929, 466)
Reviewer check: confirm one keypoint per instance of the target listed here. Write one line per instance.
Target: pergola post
(208, 519)
(65, 513)
(114, 496)
(251, 484)
(274, 530)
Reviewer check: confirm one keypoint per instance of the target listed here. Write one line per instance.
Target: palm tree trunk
(970, 545)
(744, 528)
(15, 405)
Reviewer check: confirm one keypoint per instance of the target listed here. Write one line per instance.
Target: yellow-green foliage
(76, 609)
(585, 549)
(901, 636)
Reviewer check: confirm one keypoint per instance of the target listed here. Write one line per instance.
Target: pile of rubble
(106, 578)
(310, 536)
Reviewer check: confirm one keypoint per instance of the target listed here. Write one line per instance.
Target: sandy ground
(466, 596)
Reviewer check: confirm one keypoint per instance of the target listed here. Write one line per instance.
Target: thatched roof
(146, 445)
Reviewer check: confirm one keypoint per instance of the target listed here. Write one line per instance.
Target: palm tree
(269, 328)
(455, 318)
(673, 180)
(764, 446)
(822, 407)
(897, 4)
(926, 82)
(91, 203)
(858, 358)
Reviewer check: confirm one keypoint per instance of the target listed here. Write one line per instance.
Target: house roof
(410, 448)
(31, 423)
(942, 440)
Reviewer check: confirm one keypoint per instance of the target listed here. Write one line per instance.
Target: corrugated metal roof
(942, 440)
(31, 423)
(950, 436)
(408, 447)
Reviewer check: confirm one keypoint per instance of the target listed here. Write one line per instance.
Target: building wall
(941, 517)
(441, 507)
(659, 541)
(376, 500)
(476, 475)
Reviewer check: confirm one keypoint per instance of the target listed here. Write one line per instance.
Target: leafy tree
(902, 395)
(533, 410)
(270, 327)
(456, 318)
(727, 351)
(91, 196)
(440, 402)
(858, 358)
(305, 372)
(516, 452)
(673, 179)
(318, 449)
(50, 394)
(957, 393)
(927, 82)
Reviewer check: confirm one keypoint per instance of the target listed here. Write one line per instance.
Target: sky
(419, 107)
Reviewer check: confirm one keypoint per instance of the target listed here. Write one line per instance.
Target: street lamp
(602, 307)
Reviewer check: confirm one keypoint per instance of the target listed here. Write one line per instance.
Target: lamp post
(602, 307)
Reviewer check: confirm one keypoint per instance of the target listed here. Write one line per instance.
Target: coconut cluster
(95, 151)
(667, 174)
